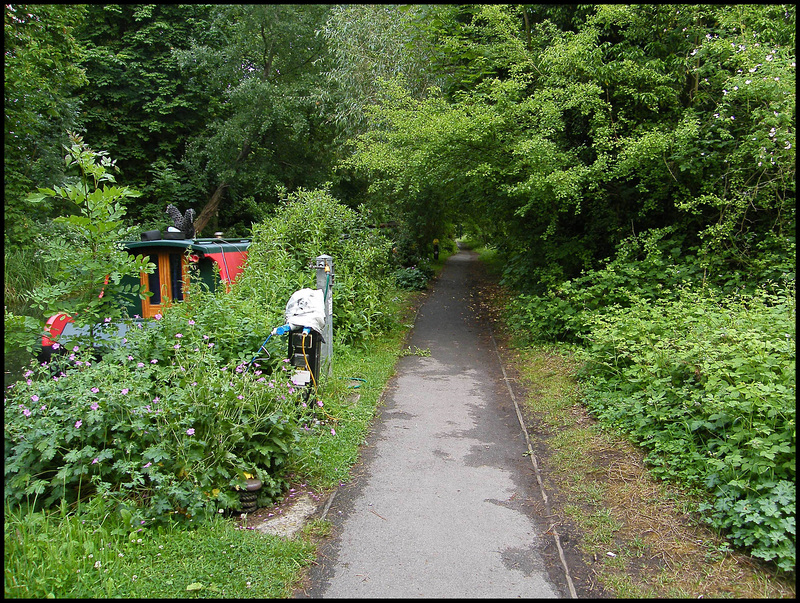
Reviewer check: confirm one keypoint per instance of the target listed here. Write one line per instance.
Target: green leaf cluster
(310, 223)
(41, 74)
(560, 136)
(707, 386)
(91, 264)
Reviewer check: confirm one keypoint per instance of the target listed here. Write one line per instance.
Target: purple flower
(211, 345)
(333, 431)
(78, 424)
(158, 317)
(75, 349)
(178, 335)
(177, 346)
(140, 365)
(191, 322)
(130, 357)
(156, 399)
(107, 319)
(35, 398)
(154, 361)
(190, 431)
(240, 397)
(94, 406)
(125, 391)
(319, 403)
(95, 461)
(95, 390)
(56, 346)
(147, 465)
(26, 412)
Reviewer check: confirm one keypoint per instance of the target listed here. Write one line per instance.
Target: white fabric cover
(306, 308)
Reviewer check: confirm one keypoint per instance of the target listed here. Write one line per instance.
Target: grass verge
(92, 554)
(637, 537)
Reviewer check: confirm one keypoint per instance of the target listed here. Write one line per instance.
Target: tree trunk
(209, 209)
(213, 203)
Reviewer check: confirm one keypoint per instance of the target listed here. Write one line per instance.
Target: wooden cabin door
(166, 282)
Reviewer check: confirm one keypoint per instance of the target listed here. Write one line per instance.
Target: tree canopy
(553, 131)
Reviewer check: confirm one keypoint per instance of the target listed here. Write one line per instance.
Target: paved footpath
(442, 503)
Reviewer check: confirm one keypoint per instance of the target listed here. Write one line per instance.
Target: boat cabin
(172, 257)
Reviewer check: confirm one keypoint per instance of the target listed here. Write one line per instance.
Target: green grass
(92, 554)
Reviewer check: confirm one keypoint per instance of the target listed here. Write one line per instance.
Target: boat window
(154, 281)
(176, 276)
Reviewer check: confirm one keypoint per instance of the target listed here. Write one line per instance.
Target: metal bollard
(325, 279)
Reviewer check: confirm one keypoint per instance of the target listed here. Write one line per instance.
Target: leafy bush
(708, 387)
(173, 419)
(653, 265)
(413, 278)
(312, 223)
(171, 428)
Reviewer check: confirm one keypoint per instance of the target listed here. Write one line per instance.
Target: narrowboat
(168, 282)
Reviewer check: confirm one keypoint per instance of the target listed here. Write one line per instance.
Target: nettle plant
(171, 423)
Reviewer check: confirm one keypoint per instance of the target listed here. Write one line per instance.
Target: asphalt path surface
(442, 503)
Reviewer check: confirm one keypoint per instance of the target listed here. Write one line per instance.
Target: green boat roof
(203, 245)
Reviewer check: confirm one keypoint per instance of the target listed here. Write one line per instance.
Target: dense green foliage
(566, 141)
(707, 386)
(312, 223)
(697, 365)
(41, 72)
(139, 103)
